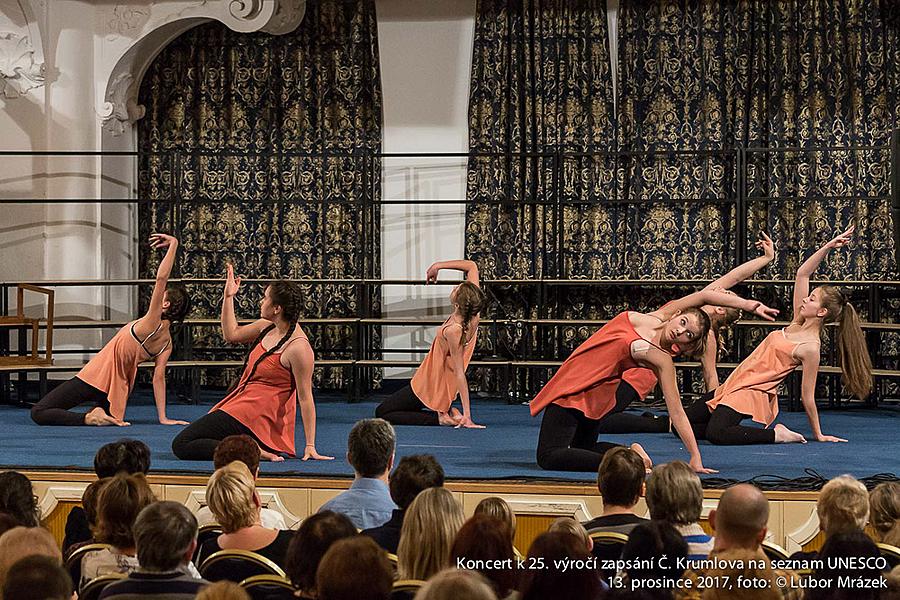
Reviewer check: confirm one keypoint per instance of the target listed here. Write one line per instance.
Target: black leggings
(568, 439)
(54, 408)
(403, 407)
(198, 440)
(625, 422)
(722, 426)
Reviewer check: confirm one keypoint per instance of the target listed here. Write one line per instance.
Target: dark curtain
(224, 106)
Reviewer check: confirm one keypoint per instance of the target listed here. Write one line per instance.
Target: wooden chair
(19, 320)
(73, 562)
(95, 587)
(268, 587)
(773, 551)
(237, 565)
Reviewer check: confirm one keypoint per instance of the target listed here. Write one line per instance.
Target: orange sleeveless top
(752, 388)
(266, 404)
(642, 379)
(114, 368)
(435, 380)
(588, 379)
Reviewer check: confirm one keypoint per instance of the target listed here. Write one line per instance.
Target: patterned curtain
(266, 161)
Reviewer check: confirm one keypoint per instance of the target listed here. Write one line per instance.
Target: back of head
(354, 568)
(19, 542)
(674, 494)
(471, 300)
(621, 477)
(884, 511)
(179, 303)
(313, 539)
(17, 499)
(429, 528)
(455, 584)
(89, 500)
(646, 543)
(842, 545)
(856, 365)
(230, 495)
(370, 447)
(485, 540)
(126, 455)
(289, 297)
(37, 577)
(549, 581)
(164, 533)
(118, 505)
(570, 525)
(237, 447)
(223, 590)
(498, 508)
(742, 564)
(7, 522)
(843, 505)
(414, 474)
(742, 515)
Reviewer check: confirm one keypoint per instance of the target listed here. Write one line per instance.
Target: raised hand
(767, 246)
(431, 274)
(232, 285)
(765, 312)
(162, 240)
(843, 239)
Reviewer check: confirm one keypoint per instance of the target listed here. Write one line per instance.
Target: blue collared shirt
(367, 503)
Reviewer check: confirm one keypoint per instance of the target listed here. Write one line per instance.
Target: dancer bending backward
(428, 398)
(106, 380)
(277, 370)
(751, 391)
(638, 383)
(583, 390)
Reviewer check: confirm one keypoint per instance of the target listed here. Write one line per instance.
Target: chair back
(405, 589)
(73, 562)
(773, 551)
(237, 565)
(93, 588)
(268, 587)
(607, 546)
(207, 532)
(891, 554)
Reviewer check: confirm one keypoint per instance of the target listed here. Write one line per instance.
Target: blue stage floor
(505, 450)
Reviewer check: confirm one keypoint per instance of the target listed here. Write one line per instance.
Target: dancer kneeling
(106, 380)
(586, 386)
(277, 370)
(428, 398)
(751, 391)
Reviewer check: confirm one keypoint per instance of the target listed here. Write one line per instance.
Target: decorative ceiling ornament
(18, 70)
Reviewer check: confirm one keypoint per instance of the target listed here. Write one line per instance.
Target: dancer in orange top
(441, 377)
(106, 380)
(277, 377)
(584, 388)
(751, 391)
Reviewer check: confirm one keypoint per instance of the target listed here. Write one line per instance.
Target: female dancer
(277, 370)
(585, 387)
(751, 391)
(106, 380)
(428, 398)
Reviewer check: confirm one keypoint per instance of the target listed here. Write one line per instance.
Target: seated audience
(740, 522)
(128, 456)
(18, 500)
(244, 449)
(88, 510)
(741, 564)
(570, 525)
(309, 544)
(675, 495)
(355, 568)
(843, 505)
(414, 474)
(232, 498)
(223, 590)
(837, 579)
(620, 480)
(429, 528)
(499, 508)
(543, 580)
(884, 512)
(165, 535)
(483, 544)
(19, 542)
(37, 577)
(646, 575)
(454, 584)
(370, 451)
(118, 505)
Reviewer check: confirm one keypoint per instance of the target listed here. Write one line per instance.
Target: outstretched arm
(469, 269)
(159, 387)
(231, 331)
(713, 297)
(302, 360)
(809, 358)
(747, 269)
(148, 323)
(708, 362)
(453, 337)
(809, 266)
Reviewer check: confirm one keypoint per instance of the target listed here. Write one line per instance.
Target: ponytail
(856, 366)
(471, 301)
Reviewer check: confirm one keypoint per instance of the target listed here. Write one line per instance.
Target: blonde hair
(429, 527)
(223, 590)
(499, 509)
(884, 511)
(674, 494)
(856, 366)
(451, 584)
(749, 565)
(19, 542)
(570, 525)
(229, 495)
(843, 504)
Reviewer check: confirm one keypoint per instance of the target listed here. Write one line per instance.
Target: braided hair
(471, 300)
(287, 296)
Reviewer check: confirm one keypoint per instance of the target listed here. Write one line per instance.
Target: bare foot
(449, 419)
(783, 435)
(266, 455)
(98, 418)
(648, 463)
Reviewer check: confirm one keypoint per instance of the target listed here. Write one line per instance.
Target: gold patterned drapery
(259, 151)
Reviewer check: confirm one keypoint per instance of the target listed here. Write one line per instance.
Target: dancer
(586, 387)
(277, 376)
(428, 398)
(107, 379)
(751, 391)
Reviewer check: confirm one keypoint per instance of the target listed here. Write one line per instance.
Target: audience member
(843, 505)
(223, 590)
(675, 495)
(884, 510)
(232, 498)
(88, 511)
(454, 584)
(244, 449)
(542, 579)
(7, 522)
(118, 505)
(370, 451)
(354, 568)
(17, 498)
(743, 564)
(37, 577)
(620, 480)
(414, 474)
(429, 528)
(892, 579)
(570, 525)
(483, 544)
(165, 535)
(309, 544)
(19, 542)
(645, 572)
(838, 580)
(499, 508)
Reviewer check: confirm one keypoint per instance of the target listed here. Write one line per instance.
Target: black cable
(811, 483)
